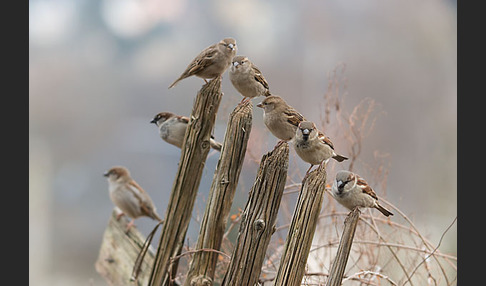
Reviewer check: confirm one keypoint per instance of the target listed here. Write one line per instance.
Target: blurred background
(99, 72)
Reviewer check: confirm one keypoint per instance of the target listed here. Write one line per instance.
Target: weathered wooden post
(258, 218)
(339, 265)
(118, 253)
(302, 229)
(194, 152)
(203, 264)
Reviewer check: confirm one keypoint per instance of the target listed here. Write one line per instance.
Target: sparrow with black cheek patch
(280, 118)
(172, 129)
(313, 146)
(247, 78)
(211, 62)
(128, 196)
(352, 191)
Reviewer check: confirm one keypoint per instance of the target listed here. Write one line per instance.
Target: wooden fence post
(118, 253)
(194, 152)
(203, 264)
(302, 229)
(339, 265)
(258, 218)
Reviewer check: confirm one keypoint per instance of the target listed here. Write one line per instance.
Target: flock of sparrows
(281, 119)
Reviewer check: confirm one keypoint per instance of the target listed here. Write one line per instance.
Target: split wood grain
(258, 218)
(339, 265)
(225, 181)
(194, 152)
(118, 253)
(302, 228)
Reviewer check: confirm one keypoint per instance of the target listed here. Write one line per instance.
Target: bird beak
(305, 131)
(106, 174)
(235, 64)
(339, 184)
(232, 47)
(260, 105)
(153, 121)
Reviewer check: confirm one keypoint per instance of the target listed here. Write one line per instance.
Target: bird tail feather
(383, 210)
(215, 144)
(340, 158)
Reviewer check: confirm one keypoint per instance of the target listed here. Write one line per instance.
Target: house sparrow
(211, 62)
(352, 191)
(172, 129)
(247, 78)
(280, 118)
(313, 146)
(128, 196)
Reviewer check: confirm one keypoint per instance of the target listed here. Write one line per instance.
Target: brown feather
(365, 187)
(259, 76)
(202, 61)
(383, 210)
(294, 117)
(144, 200)
(198, 64)
(183, 119)
(325, 139)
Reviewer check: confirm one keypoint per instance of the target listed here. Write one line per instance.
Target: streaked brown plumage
(247, 78)
(313, 146)
(172, 129)
(352, 191)
(128, 196)
(279, 117)
(211, 62)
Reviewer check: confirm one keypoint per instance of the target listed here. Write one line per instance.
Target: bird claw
(244, 100)
(280, 143)
(118, 216)
(130, 225)
(308, 170)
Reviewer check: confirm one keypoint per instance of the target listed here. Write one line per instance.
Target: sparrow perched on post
(128, 196)
(313, 146)
(352, 191)
(211, 62)
(280, 118)
(172, 129)
(247, 78)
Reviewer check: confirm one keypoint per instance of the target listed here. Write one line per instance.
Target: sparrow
(247, 78)
(352, 191)
(172, 129)
(128, 196)
(313, 146)
(211, 62)
(280, 118)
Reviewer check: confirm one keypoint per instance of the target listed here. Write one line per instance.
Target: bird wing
(259, 76)
(365, 187)
(203, 60)
(325, 139)
(198, 64)
(293, 116)
(146, 204)
(183, 119)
